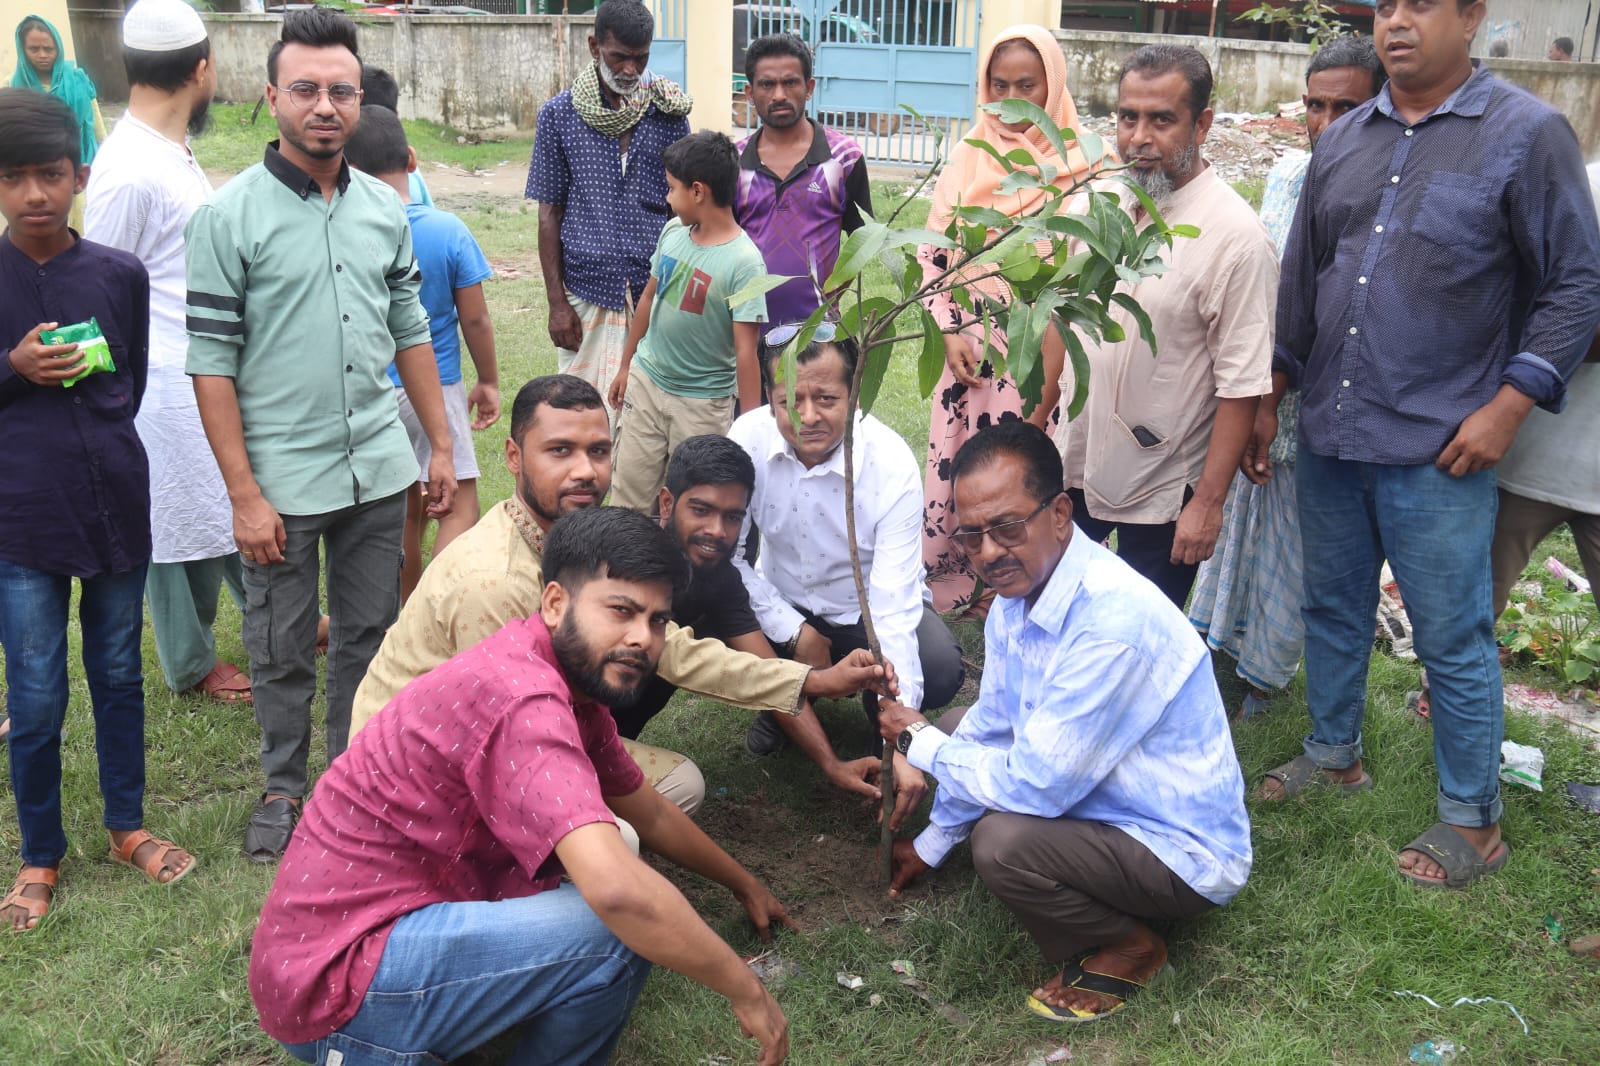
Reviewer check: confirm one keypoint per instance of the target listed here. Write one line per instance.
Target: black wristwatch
(902, 743)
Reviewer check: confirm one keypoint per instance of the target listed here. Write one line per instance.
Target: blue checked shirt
(1429, 264)
(1098, 705)
(611, 214)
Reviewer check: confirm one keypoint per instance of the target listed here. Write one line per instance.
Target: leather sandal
(272, 823)
(160, 858)
(29, 876)
(226, 683)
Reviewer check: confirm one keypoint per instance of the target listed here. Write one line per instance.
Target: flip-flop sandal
(1119, 988)
(1462, 864)
(1302, 774)
(157, 862)
(226, 683)
(27, 877)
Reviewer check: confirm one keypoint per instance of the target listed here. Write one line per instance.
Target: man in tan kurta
(560, 455)
(1154, 451)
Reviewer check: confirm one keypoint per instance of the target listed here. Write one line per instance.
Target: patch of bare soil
(822, 879)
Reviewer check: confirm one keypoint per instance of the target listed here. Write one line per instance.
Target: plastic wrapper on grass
(1521, 764)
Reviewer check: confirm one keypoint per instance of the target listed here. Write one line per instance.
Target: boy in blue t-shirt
(695, 352)
(74, 500)
(453, 273)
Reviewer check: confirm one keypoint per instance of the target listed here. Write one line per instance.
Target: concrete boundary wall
(493, 73)
(1258, 76)
(471, 72)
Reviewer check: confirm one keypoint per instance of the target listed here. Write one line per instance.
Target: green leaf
(757, 286)
(786, 362)
(877, 357)
(1577, 671)
(987, 217)
(1019, 180)
(1078, 359)
(1018, 110)
(860, 248)
(1147, 331)
(1093, 147)
(859, 316)
(1183, 229)
(994, 153)
(930, 364)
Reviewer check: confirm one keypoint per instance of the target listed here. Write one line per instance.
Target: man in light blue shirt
(1095, 774)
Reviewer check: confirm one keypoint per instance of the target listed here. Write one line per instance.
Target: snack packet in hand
(92, 348)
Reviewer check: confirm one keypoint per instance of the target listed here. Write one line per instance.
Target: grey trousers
(1076, 885)
(280, 627)
(183, 608)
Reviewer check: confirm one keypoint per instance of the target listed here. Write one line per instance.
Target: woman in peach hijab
(1024, 62)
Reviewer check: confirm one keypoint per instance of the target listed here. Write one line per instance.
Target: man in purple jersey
(802, 186)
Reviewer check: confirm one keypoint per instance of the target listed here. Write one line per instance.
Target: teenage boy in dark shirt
(74, 502)
(708, 486)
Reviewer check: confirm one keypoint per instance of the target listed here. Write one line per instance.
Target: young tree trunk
(886, 773)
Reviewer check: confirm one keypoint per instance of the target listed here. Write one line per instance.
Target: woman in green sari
(41, 65)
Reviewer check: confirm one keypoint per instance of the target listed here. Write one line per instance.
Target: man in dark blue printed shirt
(1442, 277)
(602, 190)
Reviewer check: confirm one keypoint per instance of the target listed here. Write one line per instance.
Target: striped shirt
(1098, 705)
(303, 302)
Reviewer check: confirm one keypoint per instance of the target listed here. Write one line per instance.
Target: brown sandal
(226, 683)
(29, 876)
(157, 862)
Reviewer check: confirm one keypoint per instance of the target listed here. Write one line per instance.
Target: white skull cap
(161, 26)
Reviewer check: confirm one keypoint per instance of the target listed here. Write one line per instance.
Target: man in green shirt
(302, 290)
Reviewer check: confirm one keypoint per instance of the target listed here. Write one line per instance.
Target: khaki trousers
(654, 422)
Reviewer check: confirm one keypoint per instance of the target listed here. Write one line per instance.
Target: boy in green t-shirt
(693, 349)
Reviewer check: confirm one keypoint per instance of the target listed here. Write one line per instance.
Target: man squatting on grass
(423, 915)
(1095, 774)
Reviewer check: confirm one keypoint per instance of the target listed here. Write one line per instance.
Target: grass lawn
(1301, 968)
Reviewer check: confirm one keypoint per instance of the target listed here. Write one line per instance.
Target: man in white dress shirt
(801, 586)
(144, 186)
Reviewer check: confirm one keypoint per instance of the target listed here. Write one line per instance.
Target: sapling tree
(1063, 261)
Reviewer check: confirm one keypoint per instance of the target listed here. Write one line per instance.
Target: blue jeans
(455, 975)
(1435, 530)
(33, 631)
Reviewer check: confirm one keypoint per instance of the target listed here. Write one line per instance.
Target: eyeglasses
(778, 336)
(1005, 535)
(304, 94)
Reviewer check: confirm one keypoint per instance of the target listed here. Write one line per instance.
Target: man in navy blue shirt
(1442, 277)
(602, 190)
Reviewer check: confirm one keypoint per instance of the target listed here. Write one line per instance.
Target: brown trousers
(1074, 885)
(1077, 885)
(1520, 524)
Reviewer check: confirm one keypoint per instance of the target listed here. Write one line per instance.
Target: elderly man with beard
(1154, 451)
(421, 910)
(302, 289)
(601, 186)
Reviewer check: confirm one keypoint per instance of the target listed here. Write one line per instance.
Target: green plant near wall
(1559, 633)
(1064, 272)
(1314, 21)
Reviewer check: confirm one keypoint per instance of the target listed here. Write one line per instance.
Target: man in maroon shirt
(419, 910)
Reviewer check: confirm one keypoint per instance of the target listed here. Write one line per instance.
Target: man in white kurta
(144, 186)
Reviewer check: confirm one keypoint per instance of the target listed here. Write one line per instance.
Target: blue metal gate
(669, 51)
(873, 56)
